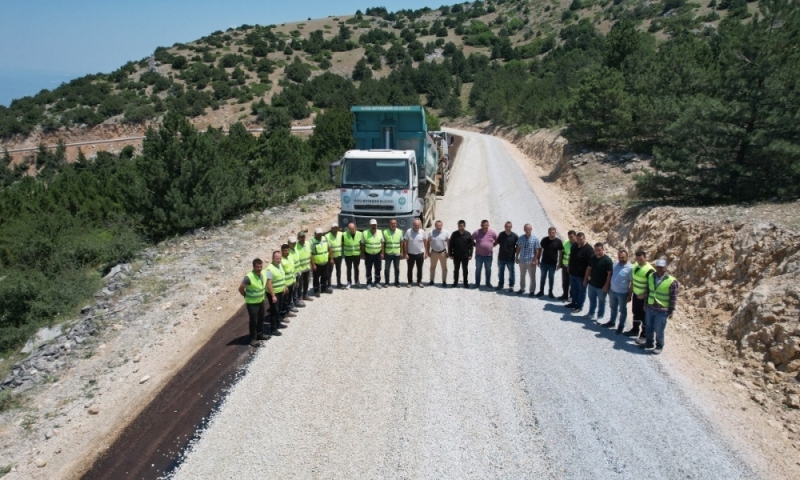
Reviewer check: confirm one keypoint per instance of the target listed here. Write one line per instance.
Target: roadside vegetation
(711, 91)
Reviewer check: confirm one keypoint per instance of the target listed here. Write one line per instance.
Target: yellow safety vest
(640, 274)
(372, 243)
(254, 293)
(278, 281)
(565, 258)
(319, 251)
(659, 295)
(288, 270)
(392, 241)
(335, 243)
(303, 257)
(352, 244)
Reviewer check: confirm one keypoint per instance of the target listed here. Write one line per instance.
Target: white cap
(373, 222)
(317, 231)
(334, 225)
(660, 263)
(292, 239)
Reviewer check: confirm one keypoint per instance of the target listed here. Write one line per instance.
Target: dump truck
(396, 169)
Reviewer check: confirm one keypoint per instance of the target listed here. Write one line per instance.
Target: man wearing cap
(253, 288)
(353, 250)
(392, 250)
(303, 251)
(275, 286)
(436, 246)
(414, 248)
(373, 254)
(662, 297)
(321, 259)
(334, 238)
(641, 271)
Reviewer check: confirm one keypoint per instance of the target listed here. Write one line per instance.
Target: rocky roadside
(84, 380)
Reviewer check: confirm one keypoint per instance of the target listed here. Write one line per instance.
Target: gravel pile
(454, 383)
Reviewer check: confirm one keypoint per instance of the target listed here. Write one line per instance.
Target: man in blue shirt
(621, 291)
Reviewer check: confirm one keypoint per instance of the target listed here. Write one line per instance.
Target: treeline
(61, 230)
(717, 108)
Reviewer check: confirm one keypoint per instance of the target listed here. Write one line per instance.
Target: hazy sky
(46, 42)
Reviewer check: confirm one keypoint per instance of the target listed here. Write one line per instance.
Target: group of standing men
(276, 292)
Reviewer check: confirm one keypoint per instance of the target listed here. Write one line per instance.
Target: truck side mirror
(332, 169)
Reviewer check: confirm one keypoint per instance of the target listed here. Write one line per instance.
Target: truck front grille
(374, 208)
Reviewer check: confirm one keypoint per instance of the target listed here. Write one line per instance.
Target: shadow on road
(620, 342)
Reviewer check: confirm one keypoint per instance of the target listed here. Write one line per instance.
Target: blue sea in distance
(18, 84)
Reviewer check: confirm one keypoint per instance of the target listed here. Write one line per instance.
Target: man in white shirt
(438, 240)
(414, 247)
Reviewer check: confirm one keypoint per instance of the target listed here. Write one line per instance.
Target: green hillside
(242, 68)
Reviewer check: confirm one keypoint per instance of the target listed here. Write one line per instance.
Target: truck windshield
(374, 173)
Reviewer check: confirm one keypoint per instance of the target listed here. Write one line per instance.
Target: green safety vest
(335, 243)
(352, 244)
(565, 258)
(659, 295)
(319, 251)
(278, 279)
(303, 253)
(392, 241)
(254, 293)
(288, 270)
(640, 274)
(372, 243)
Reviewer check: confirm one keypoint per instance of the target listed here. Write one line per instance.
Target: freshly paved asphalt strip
(455, 383)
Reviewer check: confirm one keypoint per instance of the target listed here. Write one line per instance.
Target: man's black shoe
(262, 336)
(499, 287)
(327, 290)
(281, 325)
(619, 330)
(607, 324)
(540, 293)
(563, 298)
(570, 305)
(454, 284)
(430, 283)
(276, 333)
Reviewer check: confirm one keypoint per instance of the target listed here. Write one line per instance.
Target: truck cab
(392, 172)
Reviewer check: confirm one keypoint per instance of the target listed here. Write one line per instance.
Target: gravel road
(454, 383)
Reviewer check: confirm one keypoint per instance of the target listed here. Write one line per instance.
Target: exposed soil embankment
(738, 266)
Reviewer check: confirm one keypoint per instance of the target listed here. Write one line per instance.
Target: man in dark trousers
(506, 256)
(661, 296)
(564, 265)
(551, 257)
(253, 288)
(460, 250)
(276, 283)
(641, 271)
(580, 254)
(598, 281)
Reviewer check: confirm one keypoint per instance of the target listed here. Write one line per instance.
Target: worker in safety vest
(297, 300)
(252, 288)
(352, 241)
(276, 283)
(392, 251)
(565, 265)
(321, 260)
(662, 296)
(334, 238)
(373, 254)
(287, 262)
(303, 251)
(641, 270)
